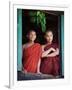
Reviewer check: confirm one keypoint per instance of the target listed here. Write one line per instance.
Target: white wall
(4, 44)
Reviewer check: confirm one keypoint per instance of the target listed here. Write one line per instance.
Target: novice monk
(50, 60)
(31, 54)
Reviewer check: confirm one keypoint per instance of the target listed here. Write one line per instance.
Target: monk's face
(49, 37)
(32, 36)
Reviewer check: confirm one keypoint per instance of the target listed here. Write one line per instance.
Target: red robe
(50, 65)
(31, 56)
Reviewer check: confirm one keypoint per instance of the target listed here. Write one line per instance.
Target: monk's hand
(52, 49)
(39, 72)
(25, 71)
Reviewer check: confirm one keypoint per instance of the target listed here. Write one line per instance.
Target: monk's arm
(38, 67)
(55, 53)
(45, 53)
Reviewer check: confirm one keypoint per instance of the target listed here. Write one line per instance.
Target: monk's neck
(49, 43)
(31, 42)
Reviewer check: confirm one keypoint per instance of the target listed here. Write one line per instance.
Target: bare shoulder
(43, 46)
(24, 46)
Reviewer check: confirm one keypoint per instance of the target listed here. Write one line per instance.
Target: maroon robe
(50, 65)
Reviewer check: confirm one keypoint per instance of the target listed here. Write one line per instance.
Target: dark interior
(51, 23)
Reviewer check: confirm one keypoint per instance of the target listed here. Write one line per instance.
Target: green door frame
(19, 39)
(61, 42)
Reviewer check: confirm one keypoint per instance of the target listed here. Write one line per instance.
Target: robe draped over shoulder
(31, 56)
(50, 65)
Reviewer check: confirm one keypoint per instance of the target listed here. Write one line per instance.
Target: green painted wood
(62, 42)
(19, 39)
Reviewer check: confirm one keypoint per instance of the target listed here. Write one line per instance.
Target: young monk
(50, 60)
(31, 54)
